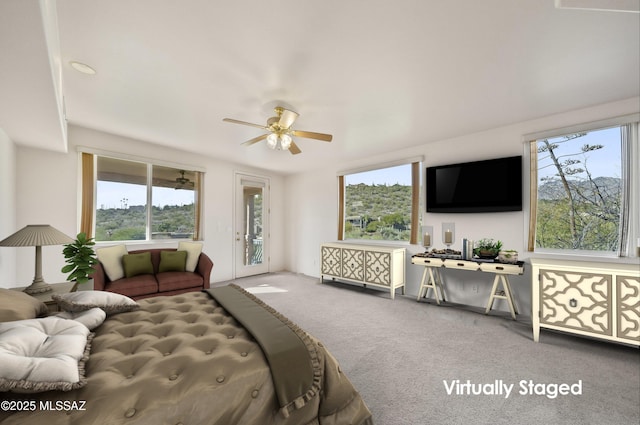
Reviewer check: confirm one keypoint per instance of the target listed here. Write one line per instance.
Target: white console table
(375, 265)
(432, 278)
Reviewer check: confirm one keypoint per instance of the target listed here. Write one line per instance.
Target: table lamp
(37, 235)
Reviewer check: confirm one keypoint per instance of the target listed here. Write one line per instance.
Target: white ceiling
(378, 75)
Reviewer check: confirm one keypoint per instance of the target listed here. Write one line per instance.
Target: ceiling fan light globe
(285, 141)
(272, 141)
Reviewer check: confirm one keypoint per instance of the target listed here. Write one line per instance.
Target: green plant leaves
(80, 257)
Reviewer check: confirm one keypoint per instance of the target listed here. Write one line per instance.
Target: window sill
(557, 255)
(399, 244)
(145, 243)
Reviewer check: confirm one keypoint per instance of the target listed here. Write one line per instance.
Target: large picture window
(140, 201)
(581, 191)
(381, 203)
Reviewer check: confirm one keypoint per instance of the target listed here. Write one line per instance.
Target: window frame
(630, 224)
(416, 167)
(88, 194)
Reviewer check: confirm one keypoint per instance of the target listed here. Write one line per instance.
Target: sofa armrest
(204, 267)
(99, 278)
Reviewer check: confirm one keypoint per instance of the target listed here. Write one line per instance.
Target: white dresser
(378, 266)
(595, 299)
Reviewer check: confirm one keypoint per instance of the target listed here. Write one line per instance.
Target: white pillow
(111, 259)
(193, 254)
(110, 302)
(45, 354)
(91, 318)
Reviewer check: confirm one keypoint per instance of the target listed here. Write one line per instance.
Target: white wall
(7, 207)
(312, 204)
(48, 193)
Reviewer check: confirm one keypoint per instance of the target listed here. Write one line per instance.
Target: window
(139, 201)
(380, 204)
(581, 191)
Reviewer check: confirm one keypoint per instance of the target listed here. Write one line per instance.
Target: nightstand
(46, 297)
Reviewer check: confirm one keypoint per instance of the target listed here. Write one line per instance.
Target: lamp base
(37, 288)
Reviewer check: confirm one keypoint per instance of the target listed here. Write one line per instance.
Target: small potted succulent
(80, 258)
(487, 248)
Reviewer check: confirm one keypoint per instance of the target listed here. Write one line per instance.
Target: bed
(219, 356)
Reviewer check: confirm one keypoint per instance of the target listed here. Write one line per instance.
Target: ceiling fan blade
(231, 120)
(287, 118)
(255, 140)
(294, 149)
(312, 135)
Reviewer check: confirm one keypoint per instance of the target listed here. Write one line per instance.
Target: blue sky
(112, 195)
(605, 162)
(400, 174)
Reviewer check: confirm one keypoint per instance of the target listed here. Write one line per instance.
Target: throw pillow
(137, 264)
(110, 302)
(172, 261)
(111, 259)
(91, 318)
(16, 305)
(193, 254)
(43, 354)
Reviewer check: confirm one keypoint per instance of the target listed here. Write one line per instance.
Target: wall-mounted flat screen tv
(493, 185)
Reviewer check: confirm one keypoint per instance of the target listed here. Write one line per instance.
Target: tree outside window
(580, 191)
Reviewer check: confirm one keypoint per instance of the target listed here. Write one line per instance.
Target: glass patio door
(251, 234)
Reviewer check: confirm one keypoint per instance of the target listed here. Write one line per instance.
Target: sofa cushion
(193, 254)
(134, 286)
(170, 281)
(172, 261)
(111, 259)
(137, 264)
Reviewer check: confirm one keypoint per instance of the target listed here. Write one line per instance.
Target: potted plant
(487, 248)
(80, 258)
(508, 256)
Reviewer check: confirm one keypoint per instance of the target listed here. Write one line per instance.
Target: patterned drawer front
(575, 300)
(628, 307)
(378, 267)
(331, 261)
(352, 264)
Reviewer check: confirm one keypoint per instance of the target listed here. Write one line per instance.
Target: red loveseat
(151, 285)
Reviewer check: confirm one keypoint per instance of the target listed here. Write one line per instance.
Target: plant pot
(508, 256)
(87, 286)
(487, 254)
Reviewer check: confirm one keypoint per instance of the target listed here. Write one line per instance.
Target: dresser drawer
(422, 261)
(501, 268)
(461, 264)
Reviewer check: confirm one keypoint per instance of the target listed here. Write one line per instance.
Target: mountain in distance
(553, 189)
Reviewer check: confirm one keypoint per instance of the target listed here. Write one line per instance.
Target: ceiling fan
(280, 131)
(182, 182)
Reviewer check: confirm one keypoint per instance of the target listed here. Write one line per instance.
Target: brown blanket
(186, 359)
(292, 356)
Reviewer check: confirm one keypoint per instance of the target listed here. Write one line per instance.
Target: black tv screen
(493, 185)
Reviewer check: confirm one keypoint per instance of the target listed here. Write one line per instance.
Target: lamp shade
(36, 235)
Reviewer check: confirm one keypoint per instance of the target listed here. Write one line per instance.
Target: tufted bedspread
(184, 359)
